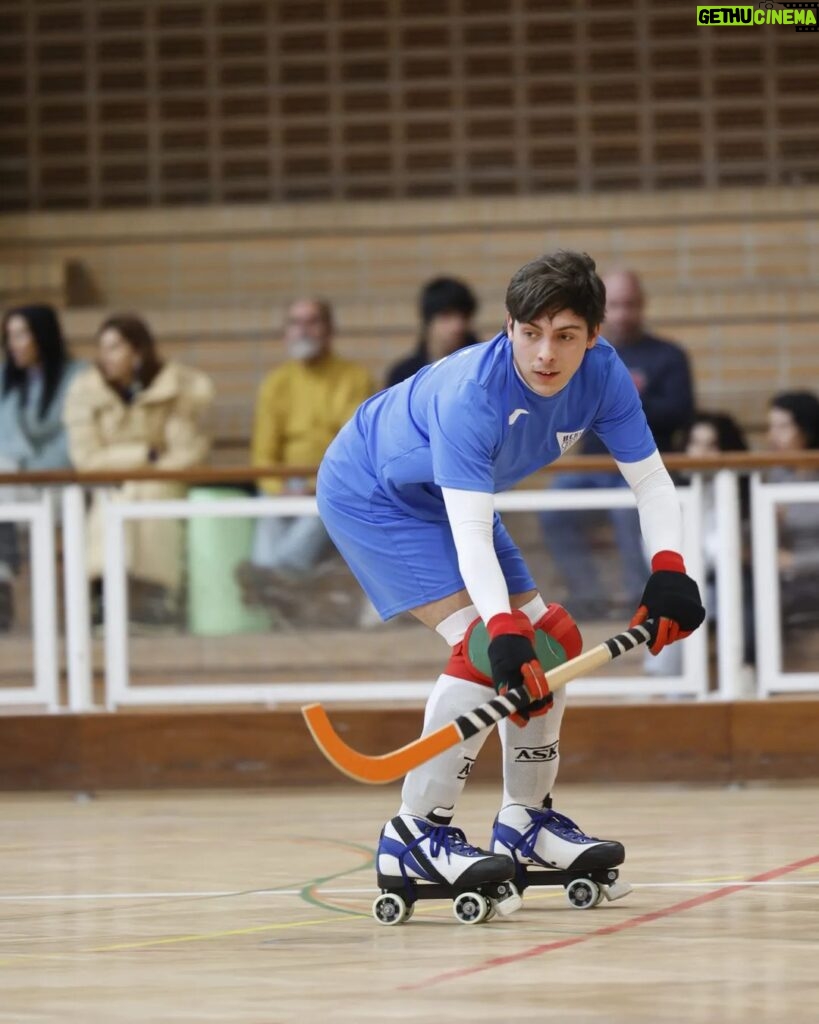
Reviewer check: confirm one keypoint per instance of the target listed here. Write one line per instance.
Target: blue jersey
(470, 422)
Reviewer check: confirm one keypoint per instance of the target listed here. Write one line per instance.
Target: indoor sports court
(409, 511)
(209, 906)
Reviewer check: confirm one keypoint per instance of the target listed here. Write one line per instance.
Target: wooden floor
(255, 907)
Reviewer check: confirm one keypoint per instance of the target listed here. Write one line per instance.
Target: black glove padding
(675, 596)
(507, 653)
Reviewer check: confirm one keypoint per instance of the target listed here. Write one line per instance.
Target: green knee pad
(549, 652)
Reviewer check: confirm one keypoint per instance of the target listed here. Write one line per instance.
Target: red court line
(612, 929)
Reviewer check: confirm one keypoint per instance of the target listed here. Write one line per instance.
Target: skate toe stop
(617, 890)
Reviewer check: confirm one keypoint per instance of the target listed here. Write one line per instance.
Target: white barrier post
(767, 612)
(77, 611)
(115, 605)
(730, 671)
(44, 603)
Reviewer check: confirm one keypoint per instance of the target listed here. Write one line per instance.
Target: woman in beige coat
(133, 410)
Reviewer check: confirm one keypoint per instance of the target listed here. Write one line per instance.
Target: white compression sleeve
(470, 517)
(657, 503)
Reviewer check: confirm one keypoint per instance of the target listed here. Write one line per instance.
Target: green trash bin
(215, 547)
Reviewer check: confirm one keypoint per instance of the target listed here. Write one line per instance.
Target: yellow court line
(179, 939)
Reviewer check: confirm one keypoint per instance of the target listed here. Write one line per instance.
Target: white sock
(432, 789)
(531, 756)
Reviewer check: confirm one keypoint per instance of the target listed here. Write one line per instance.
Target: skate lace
(441, 837)
(559, 823)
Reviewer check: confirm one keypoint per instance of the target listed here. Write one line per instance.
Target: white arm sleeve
(657, 503)
(470, 517)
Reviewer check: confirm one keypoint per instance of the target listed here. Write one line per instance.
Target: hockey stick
(389, 767)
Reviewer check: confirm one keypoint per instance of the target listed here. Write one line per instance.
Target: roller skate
(550, 849)
(419, 860)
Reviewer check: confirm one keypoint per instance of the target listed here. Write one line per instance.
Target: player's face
(548, 353)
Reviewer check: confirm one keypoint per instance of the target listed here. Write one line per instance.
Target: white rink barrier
(44, 689)
(733, 679)
(119, 691)
(765, 498)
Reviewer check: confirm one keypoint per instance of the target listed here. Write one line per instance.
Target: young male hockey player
(406, 492)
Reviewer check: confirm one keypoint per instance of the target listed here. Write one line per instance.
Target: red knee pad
(461, 667)
(555, 622)
(559, 624)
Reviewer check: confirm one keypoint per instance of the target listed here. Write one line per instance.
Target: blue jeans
(566, 536)
(292, 546)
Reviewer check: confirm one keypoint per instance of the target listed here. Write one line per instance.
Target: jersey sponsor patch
(565, 439)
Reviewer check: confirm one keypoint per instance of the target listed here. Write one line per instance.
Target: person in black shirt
(447, 307)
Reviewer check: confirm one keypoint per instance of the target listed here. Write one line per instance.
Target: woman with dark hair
(132, 410)
(34, 377)
(793, 426)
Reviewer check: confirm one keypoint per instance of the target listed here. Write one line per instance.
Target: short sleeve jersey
(470, 422)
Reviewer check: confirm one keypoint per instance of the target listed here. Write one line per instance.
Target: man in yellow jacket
(300, 408)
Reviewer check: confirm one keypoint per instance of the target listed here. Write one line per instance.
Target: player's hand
(514, 662)
(671, 599)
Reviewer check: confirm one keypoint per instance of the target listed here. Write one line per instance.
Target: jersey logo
(516, 415)
(565, 439)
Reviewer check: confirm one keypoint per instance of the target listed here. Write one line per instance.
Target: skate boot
(550, 849)
(418, 860)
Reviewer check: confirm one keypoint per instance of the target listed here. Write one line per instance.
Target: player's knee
(559, 626)
(557, 639)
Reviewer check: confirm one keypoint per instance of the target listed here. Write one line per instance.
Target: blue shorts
(400, 561)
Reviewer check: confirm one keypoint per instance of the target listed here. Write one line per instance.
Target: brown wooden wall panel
(712, 743)
(729, 273)
(113, 103)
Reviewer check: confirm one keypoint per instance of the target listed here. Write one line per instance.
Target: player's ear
(510, 323)
(592, 339)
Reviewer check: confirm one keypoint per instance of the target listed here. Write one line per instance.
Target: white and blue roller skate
(550, 849)
(418, 859)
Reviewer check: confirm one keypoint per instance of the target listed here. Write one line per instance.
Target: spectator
(793, 426)
(34, 376)
(301, 406)
(134, 410)
(661, 372)
(447, 307)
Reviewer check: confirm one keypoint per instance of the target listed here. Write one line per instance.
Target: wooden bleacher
(729, 273)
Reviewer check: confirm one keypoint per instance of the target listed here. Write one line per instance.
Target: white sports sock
(531, 756)
(433, 788)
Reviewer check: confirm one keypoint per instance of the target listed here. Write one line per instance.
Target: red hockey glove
(515, 664)
(672, 599)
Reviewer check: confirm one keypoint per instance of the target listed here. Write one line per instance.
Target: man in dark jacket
(661, 371)
(447, 307)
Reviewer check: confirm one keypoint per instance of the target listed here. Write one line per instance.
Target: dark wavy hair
(804, 409)
(730, 437)
(51, 348)
(138, 335)
(554, 282)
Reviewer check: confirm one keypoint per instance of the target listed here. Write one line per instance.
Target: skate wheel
(410, 912)
(470, 908)
(492, 912)
(390, 908)
(600, 897)
(583, 893)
